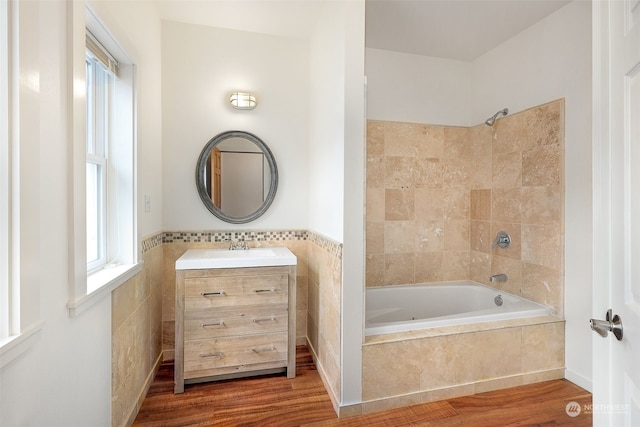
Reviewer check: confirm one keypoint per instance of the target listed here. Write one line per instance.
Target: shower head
(491, 120)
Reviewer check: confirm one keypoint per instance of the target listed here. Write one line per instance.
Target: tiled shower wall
(437, 196)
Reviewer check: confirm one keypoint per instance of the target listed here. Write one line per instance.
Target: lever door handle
(612, 323)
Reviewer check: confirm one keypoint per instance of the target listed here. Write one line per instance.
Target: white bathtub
(392, 309)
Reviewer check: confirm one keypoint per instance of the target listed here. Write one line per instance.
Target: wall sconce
(243, 100)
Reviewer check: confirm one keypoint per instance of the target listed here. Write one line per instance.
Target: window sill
(14, 346)
(101, 284)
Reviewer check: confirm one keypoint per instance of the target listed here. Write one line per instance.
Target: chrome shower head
(491, 120)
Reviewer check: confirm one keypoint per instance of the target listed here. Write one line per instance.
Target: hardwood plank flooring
(275, 400)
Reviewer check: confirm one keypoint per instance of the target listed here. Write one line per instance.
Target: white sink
(224, 258)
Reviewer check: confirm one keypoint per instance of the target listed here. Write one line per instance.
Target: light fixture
(243, 100)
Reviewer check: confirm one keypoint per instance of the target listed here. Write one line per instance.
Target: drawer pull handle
(214, 354)
(212, 294)
(206, 325)
(258, 291)
(264, 350)
(266, 319)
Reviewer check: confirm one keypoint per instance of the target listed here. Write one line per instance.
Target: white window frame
(122, 255)
(6, 305)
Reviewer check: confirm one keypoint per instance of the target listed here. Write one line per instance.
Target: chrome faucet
(499, 277)
(242, 245)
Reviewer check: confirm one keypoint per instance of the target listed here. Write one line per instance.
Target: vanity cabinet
(234, 322)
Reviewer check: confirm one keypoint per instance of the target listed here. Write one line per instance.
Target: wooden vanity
(234, 321)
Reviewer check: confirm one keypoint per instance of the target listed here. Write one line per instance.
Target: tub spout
(499, 278)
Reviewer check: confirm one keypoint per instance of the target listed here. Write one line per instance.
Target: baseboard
(579, 380)
(323, 377)
(143, 393)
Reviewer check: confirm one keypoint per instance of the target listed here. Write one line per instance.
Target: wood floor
(303, 401)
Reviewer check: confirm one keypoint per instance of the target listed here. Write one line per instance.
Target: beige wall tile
(428, 267)
(375, 138)
(505, 204)
(542, 245)
(432, 142)
(374, 270)
(508, 131)
(541, 205)
(514, 229)
(480, 204)
(456, 235)
(456, 173)
(375, 238)
(398, 172)
(456, 143)
(375, 172)
(480, 236)
(429, 172)
(398, 268)
(480, 267)
(399, 204)
(429, 204)
(375, 204)
(428, 235)
(400, 139)
(543, 285)
(541, 166)
(544, 345)
(455, 265)
(512, 268)
(387, 371)
(497, 353)
(456, 204)
(507, 170)
(544, 125)
(398, 236)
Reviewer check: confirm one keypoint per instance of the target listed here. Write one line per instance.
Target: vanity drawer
(209, 292)
(231, 321)
(231, 355)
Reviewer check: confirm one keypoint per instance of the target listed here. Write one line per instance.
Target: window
(5, 206)
(103, 158)
(99, 85)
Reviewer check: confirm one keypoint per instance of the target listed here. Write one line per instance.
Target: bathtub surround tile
(429, 172)
(375, 237)
(541, 166)
(375, 204)
(375, 171)
(456, 143)
(505, 204)
(375, 138)
(456, 234)
(398, 268)
(507, 170)
(512, 175)
(431, 144)
(541, 205)
(513, 269)
(429, 204)
(399, 204)
(456, 204)
(460, 360)
(480, 204)
(399, 171)
(375, 270)
(428, 236)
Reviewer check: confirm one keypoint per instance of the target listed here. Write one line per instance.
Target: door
(616, 372)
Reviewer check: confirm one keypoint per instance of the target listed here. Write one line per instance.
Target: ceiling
(455, 29)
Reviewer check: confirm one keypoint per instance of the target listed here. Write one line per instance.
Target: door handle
(613, 323)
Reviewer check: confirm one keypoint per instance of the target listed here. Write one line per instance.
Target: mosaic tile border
(167, 237)
(331, 246)
(151, 242)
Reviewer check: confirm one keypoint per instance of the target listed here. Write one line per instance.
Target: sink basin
(224, 258)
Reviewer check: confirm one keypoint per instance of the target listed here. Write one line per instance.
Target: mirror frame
(200, 176)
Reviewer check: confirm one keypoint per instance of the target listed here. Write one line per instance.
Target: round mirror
(236, 176)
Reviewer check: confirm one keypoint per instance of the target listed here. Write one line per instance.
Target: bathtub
(391, 309)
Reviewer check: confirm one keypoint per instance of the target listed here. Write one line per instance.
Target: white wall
(336, 166)
(64, 377)
(417, 89)
(201, 66)
(550, 60)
